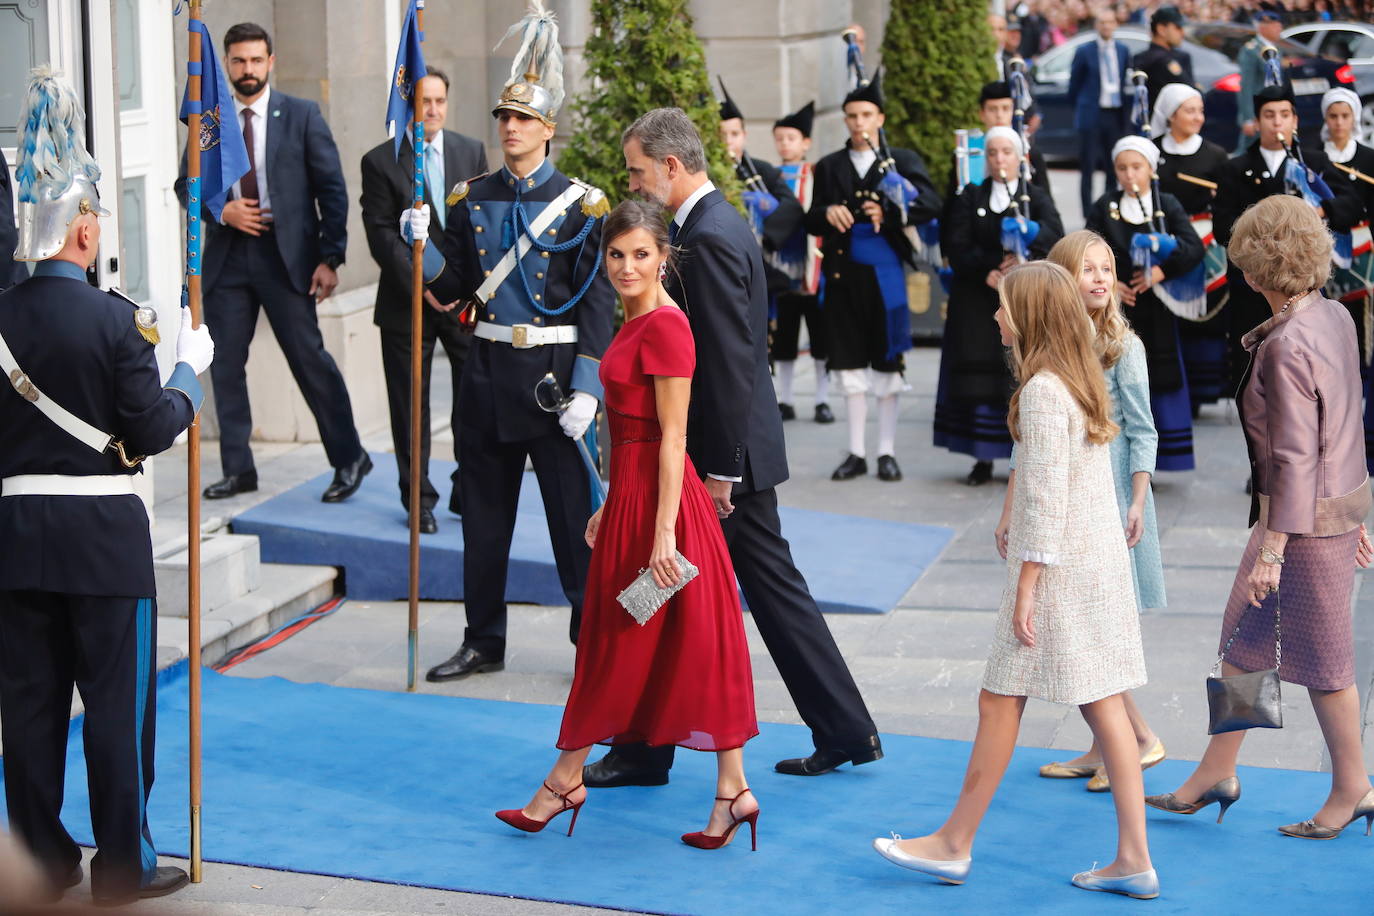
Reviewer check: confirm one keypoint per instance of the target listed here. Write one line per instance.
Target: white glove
(578, 415)
(415, 224)
(195, 347)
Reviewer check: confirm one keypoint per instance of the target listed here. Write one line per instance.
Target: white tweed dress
(1064, 514)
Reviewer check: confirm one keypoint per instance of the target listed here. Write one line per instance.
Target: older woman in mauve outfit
(1300, 409)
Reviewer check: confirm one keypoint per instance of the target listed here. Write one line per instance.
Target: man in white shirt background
(1099, 88)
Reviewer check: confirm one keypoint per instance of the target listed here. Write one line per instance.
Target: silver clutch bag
(642, 598)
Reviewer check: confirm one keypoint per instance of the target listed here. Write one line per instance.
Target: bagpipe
(893, 185)
(758, 200)
(1019, 230)
(970, 165)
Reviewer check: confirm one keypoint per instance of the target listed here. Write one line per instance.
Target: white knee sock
(858, 417)
(822, 382)
(787, 370)
(887, 425)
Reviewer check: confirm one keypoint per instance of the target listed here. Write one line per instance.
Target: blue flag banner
(410, 68)
(223, 157)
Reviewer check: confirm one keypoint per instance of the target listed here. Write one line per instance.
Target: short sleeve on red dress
(666, 347)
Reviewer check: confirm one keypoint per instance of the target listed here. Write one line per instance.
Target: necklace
(1291, 299)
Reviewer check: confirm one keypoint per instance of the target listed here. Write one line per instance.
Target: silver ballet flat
(950, 871)
(1142, 885)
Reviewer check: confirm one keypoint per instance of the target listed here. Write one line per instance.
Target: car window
(1362, 45)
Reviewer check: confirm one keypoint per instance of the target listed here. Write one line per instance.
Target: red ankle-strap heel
(520, 821)
(702, 840)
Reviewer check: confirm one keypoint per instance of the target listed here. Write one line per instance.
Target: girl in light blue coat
(1088, 258)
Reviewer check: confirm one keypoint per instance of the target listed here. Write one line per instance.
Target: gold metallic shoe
(1224, 793)
(1311, 830)
(1067, 771)
(1100, 783)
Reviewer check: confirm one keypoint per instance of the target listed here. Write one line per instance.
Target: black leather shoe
(887, 468)
(852, 467)
(60, 885)
(427, 523)
(981, 474)
(465, 661)
(788, 411)
(826, 759)
(347, 479)
(611, 772)
(232, 485)
(824, 414)
(167, 880)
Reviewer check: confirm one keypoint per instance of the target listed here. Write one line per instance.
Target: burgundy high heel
(702, 840)
(518, 819)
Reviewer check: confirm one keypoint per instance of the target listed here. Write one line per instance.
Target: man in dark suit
(1097, 85)
(9, 235)
(279, 243)
(388, 190)
(1164, 61)
(734, 436)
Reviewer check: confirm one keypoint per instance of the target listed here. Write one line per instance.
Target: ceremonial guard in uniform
(521, 253)
(1189, 168)
(800, 259)
(77, 607)
(1164, 61)
(868, 201)
(1268, 27)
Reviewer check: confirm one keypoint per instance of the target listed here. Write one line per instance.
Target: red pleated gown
(684, 677)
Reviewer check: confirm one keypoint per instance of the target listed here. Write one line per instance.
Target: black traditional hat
(997, 89)
(801, 119)
(871, 91)
(1282, 92)
(728, 108)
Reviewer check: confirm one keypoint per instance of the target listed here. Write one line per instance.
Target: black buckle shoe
(347, 480)
(611, 772)
(824, 414)
(427, 523)
(826, 759)
(464, 662)
(887, 468)
(981, 474)
(852, 466)
(788, 411)
(168, 879)
(232, 485)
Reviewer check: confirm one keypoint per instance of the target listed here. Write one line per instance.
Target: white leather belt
(524, 336)
(64, 485)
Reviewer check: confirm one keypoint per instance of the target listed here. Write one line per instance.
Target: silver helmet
(55, 177)
(535, 85)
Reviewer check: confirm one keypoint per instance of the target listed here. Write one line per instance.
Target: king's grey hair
(665, 132)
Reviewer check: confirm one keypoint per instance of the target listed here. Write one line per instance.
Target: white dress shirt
(1109, 74)
(1273, 158)
(862, 159)
(260, 118)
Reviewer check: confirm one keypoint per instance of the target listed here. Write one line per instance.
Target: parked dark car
(1350, 43)
(1214, 47)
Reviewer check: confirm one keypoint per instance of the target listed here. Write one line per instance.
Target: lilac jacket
(1301, 410)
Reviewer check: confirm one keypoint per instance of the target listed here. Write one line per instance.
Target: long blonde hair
(1113, 333)
(1051, 331)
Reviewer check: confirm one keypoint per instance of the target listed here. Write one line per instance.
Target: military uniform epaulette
(461, 189)
(594, 202)
(145, 316)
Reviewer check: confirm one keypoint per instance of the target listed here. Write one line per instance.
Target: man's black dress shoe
(347, 479)
(232, 485)
(826, 759)
(427, 523)
(853, 466)
(61, 885)
(824, 414)
(168, 879)
(981, 474)
(788, 411)
(465, 661)
(611, 772)
(887, 468)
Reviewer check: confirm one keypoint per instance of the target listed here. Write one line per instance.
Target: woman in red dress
(683, 677)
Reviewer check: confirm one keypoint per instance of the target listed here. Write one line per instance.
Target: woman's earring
(662, 271)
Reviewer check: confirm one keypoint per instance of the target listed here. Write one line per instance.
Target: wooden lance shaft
(417, 292)
(193, 461)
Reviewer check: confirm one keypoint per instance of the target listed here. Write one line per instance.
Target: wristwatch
(1267, 555)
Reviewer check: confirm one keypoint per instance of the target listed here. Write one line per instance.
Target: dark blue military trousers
(107, 649)
(254, 277)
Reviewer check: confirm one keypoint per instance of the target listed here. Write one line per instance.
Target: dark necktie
(672, 232)
(248, 184)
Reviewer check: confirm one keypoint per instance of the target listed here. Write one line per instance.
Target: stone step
(229, 570)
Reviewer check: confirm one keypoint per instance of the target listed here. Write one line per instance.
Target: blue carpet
(401, 788)
(853, 564)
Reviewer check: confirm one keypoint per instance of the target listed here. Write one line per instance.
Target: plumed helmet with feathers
(535, 86)
(54, 174)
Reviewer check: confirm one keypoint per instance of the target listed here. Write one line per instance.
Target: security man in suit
(279, 246)
(388, 189)
(521, 252)
(1164, 61)
(82, 403)
(735, 438)
(1098, 80)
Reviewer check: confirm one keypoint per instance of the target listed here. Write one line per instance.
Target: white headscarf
(1341, 94)
(1004, 133)
(1140, 145)
(1170, 98)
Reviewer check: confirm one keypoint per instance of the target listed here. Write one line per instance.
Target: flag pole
(193, 291)
(417, 290)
